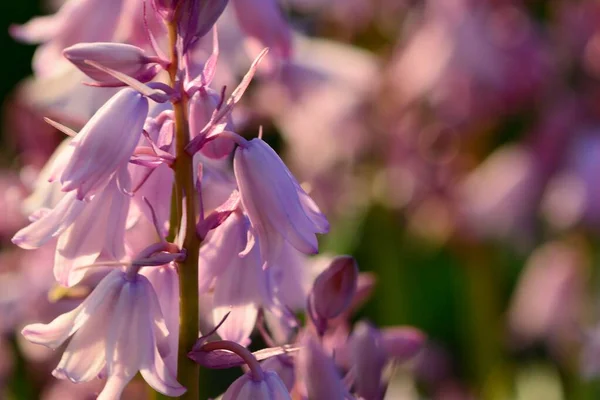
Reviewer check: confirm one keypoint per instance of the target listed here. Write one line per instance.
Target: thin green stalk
(185, 192)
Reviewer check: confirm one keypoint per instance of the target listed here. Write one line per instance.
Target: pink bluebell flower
(105, 143)
(117, 331)
(278, 208)
(245, 387)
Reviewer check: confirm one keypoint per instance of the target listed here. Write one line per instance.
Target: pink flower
(76, 21)
(317, 372)
(278, 208)
(105, 143)
(197, 18)
(245, 387)
(51, 224)
(97, 233)
(117, 331)
(240, 283)
(262, 20)
(125, 58)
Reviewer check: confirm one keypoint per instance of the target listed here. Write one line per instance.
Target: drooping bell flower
(240, 283)
(77, 21)
(246, 387)
(98, 232)
(51, 224)
(105, 143)
(263, 21)
(276, 205)
(124, 58)
(117, 331)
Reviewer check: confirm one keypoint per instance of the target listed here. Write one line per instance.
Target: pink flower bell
(117, 331)
(105, 143)
(269, 388)
(278, 208)
(262, 20)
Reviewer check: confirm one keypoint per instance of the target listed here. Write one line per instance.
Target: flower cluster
(173, 223)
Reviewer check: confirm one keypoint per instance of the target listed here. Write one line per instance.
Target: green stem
(185, 192)
(490, 368)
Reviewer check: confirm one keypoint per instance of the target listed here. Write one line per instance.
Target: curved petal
(51, 224)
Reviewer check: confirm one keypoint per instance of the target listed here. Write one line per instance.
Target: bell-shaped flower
(165, 281)
(51, 223)
(246, 387)
(240, 283)
(98, 232)
(276, 205)
(263, 21)
(124, 58)
(77, 21)
(117, 331)
(283, 365)
(105, 143)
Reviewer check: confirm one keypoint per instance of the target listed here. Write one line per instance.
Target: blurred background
(455, 147)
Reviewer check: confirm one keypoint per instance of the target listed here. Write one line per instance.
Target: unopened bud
(197, 18)
(402, 342)
(317, 372)
(125, 58)
(368, 359)
(333, 290)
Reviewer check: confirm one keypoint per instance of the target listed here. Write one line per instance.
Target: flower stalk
(187, 370)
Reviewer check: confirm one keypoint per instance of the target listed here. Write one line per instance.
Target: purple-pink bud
(317, 371)
(245, 387)
(402, 342)
(368, 360)
(125, 58)
(197, 17)
(333, 289)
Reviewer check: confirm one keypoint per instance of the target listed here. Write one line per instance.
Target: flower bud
(333, 290)
(317, 372)
(197, 18)
(125, 58)
(402, 342)
(368, 359)
(245, 387)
